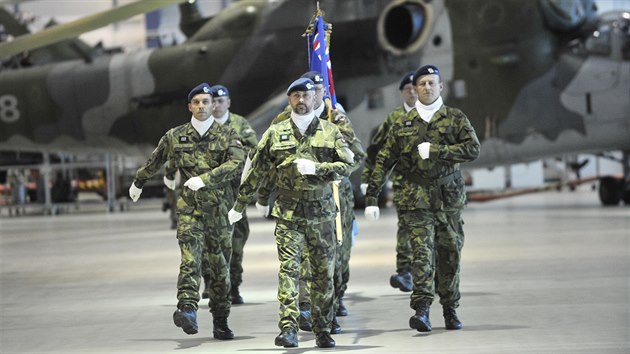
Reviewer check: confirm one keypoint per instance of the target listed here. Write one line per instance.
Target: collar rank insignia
(183, 139)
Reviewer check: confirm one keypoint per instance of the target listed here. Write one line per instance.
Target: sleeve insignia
(284, 137)
(183, 139)
(340, 118)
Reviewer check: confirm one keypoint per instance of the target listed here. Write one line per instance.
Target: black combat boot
(324, 340)
(206, 287)
(186, 318)
(401, 281)
(341, 310)
(237, 299)
(287, 338)
(221, 329)
(420, 320)
(450, 318)
(304, 321)
(335, 327)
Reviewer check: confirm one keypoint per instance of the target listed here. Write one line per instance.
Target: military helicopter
(537, 78)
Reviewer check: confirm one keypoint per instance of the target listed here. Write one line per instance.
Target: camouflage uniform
(432, 196)
(403, 247)
(346, 201)
(217, 158)
(304, 210)
(241, 228)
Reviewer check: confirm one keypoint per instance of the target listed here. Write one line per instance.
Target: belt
(435, 181)
(306, 194)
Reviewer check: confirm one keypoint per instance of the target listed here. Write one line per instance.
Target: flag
(320, 58)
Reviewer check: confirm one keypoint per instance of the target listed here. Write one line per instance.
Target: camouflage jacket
(345, 127)
(377, 142)
(434, 183)
(248, 138)
(216, 157)
(302, 198)
(244, 130)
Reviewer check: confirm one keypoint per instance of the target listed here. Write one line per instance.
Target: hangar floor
(544, 273)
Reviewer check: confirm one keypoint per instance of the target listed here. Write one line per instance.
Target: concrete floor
(544, 273)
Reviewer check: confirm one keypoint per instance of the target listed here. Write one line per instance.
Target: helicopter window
(599, 41)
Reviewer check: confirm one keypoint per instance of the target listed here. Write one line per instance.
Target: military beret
(201, 88)
(301, 84)
(315, 76)
(407, 79)
(425, 70)
(219, 91)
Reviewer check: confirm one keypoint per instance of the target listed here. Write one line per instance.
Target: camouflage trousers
(239, 238)
(437, 239)
(318, 240)
(403, 247)
(342, 264)
(197, 234)
(342, 261)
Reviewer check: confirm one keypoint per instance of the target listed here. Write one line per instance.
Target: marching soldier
(402, 278)
(305, 154)
(209, 156)
(346, 201)
(425, 147)
(223, 116)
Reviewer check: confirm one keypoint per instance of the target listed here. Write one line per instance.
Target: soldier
(222, 115)
(425, 148)
(402, 278)
(209, 156)
(342, 264)
(306, 155)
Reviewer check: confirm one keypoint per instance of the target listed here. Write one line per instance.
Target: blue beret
(407, 79)
(219, 91)
(301, 84)
(201, 88)
(315, 76)
(425, 70)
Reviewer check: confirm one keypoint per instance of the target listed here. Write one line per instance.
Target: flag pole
(329, 108)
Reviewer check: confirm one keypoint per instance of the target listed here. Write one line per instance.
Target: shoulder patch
(284, 137)
(183, 139)
(340, 118)
(408, 123)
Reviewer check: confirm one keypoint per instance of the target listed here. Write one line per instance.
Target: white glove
(134, 192)
(234, 216)
(372, 213)
(423, 150)
(263, 209)
(194, 183)
(305, 167)
(363, 188)
(169, 183)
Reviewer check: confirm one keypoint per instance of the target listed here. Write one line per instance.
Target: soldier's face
(409, 94)
(318, 97)
(221, 105)
(201, 106)
(429, 88)
(302, 102)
